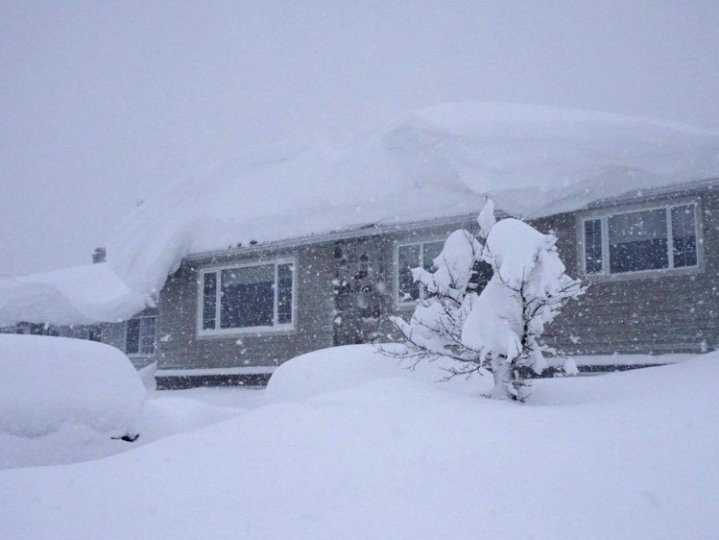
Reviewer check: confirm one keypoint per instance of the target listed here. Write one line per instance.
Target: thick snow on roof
(79, 295)
(439, 162)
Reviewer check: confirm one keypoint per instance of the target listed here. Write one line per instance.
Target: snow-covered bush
(498, 329)
(328, 370)
(338, 368)
(49, 382)
(436, 325)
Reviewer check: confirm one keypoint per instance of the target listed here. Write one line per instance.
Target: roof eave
(376, 229)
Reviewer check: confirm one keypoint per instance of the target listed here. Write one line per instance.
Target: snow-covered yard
(164, 414)
(369, 450)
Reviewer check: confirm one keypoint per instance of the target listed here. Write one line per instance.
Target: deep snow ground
(226, 396)
(629, 455)
(165, 414)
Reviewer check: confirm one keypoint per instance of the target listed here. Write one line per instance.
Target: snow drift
(337, 368)
(623, 456)
(164, 414)
(436, 163)
(49, 382)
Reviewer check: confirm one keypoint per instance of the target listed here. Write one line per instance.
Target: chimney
(99, 255)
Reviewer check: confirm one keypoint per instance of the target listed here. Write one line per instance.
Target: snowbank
(439, 162)
(336, 368)
(48, 382)
(623, 456)
(72, 443)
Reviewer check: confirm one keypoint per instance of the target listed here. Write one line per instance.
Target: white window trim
(275, 328)
(139, 354)
(398, 302)
(604, 214)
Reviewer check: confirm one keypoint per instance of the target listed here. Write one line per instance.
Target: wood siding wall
(656, 314)
(659, 313)
(180, 346)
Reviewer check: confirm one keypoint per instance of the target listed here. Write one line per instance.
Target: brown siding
(114, 334)
(661, 313)
(181, 347)
(654, 314)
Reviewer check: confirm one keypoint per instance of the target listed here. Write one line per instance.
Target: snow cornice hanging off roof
(354, 232)
(380, 229)
(440, 162)
(84, 294)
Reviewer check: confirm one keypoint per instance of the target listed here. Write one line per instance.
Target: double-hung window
(421, 254)
(251, 297)
(140, 336)
(662, 238)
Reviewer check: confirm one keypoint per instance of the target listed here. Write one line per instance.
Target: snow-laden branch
(498, 330)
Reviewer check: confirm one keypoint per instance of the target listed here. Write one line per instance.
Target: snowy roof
(79, 295)
(438, 162)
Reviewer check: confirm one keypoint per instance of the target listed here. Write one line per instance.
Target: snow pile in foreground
(162, 416)
(624, 456)
(50, 382)
(436, 163)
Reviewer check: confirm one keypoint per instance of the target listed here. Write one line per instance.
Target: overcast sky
(103, 103)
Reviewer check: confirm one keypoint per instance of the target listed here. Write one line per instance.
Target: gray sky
(103, 103)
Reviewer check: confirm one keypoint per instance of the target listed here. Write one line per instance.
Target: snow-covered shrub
(338, 368)
(48, 382)
(327, 370)
(436, 325)
(497, 329)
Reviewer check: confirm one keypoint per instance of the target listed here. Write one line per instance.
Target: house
(650, 258)
(223, 279)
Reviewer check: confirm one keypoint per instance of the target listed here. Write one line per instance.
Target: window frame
(139, 353)
(217, 331)
(82, 332)
(603, 216)
(398, 302)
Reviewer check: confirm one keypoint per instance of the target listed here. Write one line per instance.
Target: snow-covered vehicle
(49, 383)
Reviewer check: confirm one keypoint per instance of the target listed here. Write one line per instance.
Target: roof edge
(375, 229)
(650, 193)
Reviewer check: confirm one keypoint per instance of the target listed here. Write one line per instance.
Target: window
(92, 333)
(247, 297)
(413, 256)
(643, 240)
(593, 246)
(140, 336)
